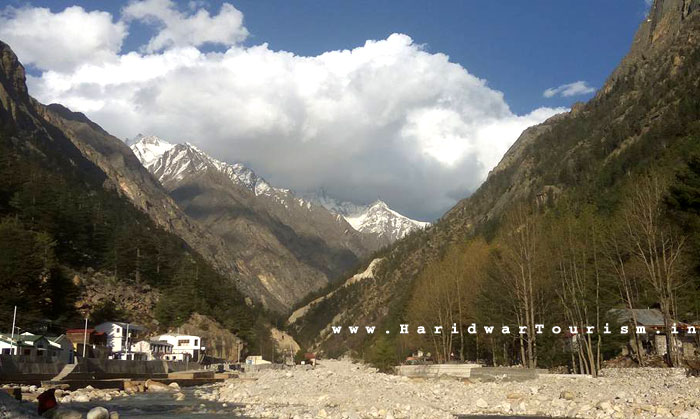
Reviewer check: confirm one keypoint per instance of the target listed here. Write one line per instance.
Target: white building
(150, 350)
(184, 346)
(28, 344)
(119, 337)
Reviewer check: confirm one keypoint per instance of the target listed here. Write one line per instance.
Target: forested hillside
(593, 210)
(62, 219)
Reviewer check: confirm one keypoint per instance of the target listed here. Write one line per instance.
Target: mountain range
(287, 245)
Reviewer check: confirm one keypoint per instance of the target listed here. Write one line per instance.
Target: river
(161, 405)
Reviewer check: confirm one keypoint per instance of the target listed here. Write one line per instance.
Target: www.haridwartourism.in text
(472, 329)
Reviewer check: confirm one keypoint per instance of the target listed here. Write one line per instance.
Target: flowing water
(161, 405)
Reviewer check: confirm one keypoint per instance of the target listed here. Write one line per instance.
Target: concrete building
(119, 337)
(184, 347)
(95, 342)
(653, 342)
(150, 350)
(28, 344)
(63, 348)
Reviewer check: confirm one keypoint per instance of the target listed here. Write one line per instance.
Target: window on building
(183, 342)
(27, 352)
(6, 351)
(196, 342)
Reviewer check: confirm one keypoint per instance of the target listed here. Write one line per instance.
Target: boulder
(133, 386)
(156, 387)
(98, 412)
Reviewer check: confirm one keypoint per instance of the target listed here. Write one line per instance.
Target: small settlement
(108, 340)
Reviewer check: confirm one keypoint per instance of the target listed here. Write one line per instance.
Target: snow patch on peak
(376, 218)
(149, 148)
(172, 161)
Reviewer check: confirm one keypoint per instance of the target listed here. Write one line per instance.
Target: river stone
(98, 412)
(156, 387)
(131, 386)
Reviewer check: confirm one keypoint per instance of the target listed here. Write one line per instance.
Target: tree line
(563, 262)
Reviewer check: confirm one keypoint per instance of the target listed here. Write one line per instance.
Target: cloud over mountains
(386, 119)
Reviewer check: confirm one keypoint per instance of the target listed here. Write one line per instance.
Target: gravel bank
(342, 389)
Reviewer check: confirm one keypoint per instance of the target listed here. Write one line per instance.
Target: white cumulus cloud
(179, 29)
(387, 119)
(61, 41)
(570, 89)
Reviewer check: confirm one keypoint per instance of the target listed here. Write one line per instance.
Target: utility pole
(85, 336)
(126, 341)
(13, 347)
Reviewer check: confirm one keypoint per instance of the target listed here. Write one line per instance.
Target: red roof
(82, 331)
(79, 331)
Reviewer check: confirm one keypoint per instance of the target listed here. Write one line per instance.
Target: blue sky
(296, 91)
(520, 47)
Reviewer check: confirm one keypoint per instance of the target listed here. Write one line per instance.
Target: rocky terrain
(343, 389)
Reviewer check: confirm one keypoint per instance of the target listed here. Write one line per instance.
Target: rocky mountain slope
(647, 109)
(286, 244)
(73, 200)
(128, 177)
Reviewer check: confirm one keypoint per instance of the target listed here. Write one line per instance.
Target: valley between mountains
(593, 211)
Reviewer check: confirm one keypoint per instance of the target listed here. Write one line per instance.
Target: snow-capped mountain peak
(379, 219)
(376, 218)
(149, 148)
(171, 163)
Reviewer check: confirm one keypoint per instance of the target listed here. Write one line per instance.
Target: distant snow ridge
(172, 162)
(376, 218)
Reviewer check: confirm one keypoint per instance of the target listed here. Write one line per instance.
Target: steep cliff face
(641, 111)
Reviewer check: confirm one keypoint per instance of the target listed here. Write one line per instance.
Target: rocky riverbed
(343, 389)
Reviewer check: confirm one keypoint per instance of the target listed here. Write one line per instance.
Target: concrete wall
(436, 370)
(261, 367)
(29, 368)
(472, 371)
(22, 367)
